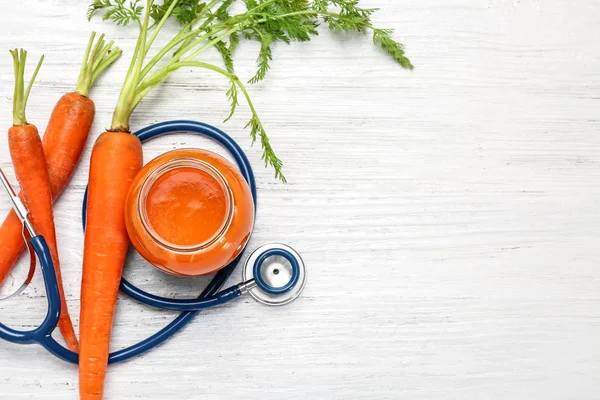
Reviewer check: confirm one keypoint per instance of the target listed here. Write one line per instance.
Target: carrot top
(222, 25)
(96, 60)
(214, 26)
(21, 93)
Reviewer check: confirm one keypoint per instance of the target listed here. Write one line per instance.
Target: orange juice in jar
(189, 212)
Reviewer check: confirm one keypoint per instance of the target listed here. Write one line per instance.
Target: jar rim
(161, 170)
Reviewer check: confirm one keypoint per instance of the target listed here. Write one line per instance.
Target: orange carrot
(65, 138)
(64, 141)
(29, 162)
(116, 159)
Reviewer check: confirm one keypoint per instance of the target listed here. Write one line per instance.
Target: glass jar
(189, 212)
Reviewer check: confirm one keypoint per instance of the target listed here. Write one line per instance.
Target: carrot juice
(189, 212)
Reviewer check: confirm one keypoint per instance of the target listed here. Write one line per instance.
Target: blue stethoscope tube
(38, 335)
(210, 297)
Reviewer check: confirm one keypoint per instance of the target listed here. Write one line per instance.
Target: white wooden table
(449, 216)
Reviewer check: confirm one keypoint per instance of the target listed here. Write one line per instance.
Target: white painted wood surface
(449, 216)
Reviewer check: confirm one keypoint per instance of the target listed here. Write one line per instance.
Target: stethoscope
(274, 274)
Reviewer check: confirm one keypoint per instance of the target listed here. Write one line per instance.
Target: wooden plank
(448, 216)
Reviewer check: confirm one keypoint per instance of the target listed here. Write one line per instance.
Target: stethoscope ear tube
(27, 231)
(30, 273)
(40, 247)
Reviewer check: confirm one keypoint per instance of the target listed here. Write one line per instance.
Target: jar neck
(171, 166)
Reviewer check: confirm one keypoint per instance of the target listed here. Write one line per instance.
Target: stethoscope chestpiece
(279, 273)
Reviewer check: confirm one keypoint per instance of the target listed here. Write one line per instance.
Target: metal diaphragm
(279, 272)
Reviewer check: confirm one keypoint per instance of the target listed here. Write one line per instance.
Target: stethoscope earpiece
(279, 274)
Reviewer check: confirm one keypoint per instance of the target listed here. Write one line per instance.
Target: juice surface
(186, 206)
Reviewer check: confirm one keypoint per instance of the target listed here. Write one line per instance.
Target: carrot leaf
(117, 11)
(185, 12)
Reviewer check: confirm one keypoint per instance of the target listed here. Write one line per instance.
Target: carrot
(64, 140)
(116, 159)
(29, 162)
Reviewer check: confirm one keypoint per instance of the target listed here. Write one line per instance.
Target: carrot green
(96, 60)
(21, 94)
(222, 25)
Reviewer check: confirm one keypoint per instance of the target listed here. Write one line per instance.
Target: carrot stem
(106, 62)
(176, 40)
(105, 50)
(127, 99)
(97, 59)
(21, 95)
(87, 51)
(124, 107)
(30, 85)
(158, 28)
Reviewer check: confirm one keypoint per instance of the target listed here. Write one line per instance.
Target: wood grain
(448, 216)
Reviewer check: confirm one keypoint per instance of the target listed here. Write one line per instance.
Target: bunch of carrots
(45, 165)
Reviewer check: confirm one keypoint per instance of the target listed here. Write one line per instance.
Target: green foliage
(269, 157)
(393, 48)
(222, 13)
(117, 11)
(185, 12)
(217, 24)
(350, 17)
(234, 40)
(264, 57)
(226, 54)
(273, 21)
(232, 95)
